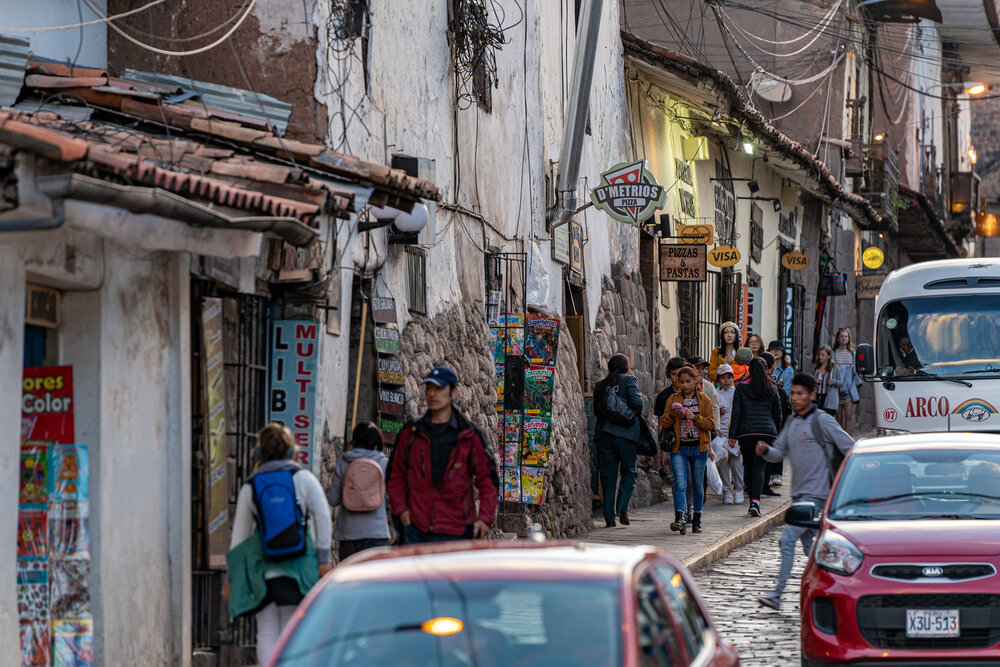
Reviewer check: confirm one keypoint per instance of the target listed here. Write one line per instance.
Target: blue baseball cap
(441, 376)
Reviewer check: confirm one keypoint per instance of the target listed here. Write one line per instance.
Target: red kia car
(510, 604)
(904, 570)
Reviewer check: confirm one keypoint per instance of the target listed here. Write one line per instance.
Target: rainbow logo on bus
(975, 410)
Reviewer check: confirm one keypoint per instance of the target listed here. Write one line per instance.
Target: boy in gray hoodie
(357, 531)
(812, 468)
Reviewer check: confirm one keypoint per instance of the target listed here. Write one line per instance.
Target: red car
(905, 565)
(510, 604)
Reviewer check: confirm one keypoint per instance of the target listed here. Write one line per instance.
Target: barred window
(416, 280)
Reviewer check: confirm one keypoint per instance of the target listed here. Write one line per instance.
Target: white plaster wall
(488, 163)
(11, 362)
(131, 460)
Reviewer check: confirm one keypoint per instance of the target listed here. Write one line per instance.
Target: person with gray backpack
(358, 489)
(618, 408)
(814, 444)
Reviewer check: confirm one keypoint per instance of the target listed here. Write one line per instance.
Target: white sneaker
(727, 498)
(739, 500)
(775, 480)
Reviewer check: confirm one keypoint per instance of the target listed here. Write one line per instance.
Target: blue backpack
(280, 521)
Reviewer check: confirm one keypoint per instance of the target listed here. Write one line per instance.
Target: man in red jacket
(439, 459)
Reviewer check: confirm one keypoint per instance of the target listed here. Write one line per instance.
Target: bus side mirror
(864, 360)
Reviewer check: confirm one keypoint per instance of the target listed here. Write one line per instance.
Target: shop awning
(922, 234)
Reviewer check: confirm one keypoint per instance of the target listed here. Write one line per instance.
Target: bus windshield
(943, 336)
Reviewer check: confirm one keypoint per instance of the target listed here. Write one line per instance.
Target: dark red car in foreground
(510, 604)
(904, 570)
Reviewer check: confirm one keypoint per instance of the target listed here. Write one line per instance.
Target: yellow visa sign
(724, 256)
(795, 261)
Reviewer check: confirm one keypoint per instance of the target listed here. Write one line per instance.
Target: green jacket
(248, 564)
(628, 391)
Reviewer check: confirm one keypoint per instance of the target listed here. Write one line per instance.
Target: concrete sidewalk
(725, 527)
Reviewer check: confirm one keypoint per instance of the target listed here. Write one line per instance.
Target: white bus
(935, 363)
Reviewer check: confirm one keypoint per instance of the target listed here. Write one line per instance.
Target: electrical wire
(824, 21)
(192, 38)
(165, 52)
(84, 24)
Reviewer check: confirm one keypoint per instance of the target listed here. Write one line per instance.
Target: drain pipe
(30, 220)
(576, 118)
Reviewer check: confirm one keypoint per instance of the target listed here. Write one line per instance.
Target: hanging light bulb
(414, 221)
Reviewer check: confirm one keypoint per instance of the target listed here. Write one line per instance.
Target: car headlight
(883, 432)
(836, 553)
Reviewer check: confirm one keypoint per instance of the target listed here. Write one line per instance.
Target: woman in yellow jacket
(689, 413)
(729, 342)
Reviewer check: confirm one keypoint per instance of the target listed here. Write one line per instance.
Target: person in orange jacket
(725, 353)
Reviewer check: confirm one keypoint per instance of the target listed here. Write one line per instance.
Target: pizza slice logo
(629, 193)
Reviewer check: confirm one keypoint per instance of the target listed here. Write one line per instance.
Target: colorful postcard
(541, 340)
(32, 600)
(538, 387)
(512, 485)
(32, 534)
(510, 458)
(69, 468)
(500, 383)
(34, 464)
(512, 428)
(69, 531)
(532, 482)
(535, 441)
(73, 643)
(68, 588)
(36, 643)
(495, 349)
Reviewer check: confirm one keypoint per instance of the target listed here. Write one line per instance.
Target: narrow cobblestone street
(763, 637)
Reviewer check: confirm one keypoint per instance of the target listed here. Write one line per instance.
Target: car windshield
(955, 335)
(919, 484)
(569, 622)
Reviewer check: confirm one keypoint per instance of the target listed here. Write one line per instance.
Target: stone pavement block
(725, 527)
(763, 637)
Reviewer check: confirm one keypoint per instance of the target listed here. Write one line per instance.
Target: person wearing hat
(440, 460)
(725, 353)
(783, 371)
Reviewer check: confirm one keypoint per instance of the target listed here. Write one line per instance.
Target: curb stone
(741, 537)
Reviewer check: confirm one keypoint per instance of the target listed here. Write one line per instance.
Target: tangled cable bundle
(476, 42)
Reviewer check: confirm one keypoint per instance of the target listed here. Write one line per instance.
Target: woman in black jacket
(756, 416)
(617, 443)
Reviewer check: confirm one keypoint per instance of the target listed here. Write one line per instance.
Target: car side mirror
(864, 360)
(803, 515)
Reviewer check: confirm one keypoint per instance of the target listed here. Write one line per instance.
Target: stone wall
(458, 337)
(622, 327)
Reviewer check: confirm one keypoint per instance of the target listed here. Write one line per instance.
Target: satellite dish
(770, 89)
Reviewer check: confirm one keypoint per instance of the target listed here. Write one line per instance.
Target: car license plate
(932, 623)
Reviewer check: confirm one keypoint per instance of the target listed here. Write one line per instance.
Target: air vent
(948, 283)
(824, 616)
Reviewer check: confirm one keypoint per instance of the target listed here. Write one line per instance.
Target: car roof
(542, 560)
(909, 281)
(937, 440)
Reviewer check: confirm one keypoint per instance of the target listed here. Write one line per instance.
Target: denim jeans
(679, 462)
(789, 537)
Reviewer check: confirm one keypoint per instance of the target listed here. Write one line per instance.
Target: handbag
(832, 399)
(647, 444)
(613, 407)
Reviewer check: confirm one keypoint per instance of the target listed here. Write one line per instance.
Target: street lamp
(972, 88)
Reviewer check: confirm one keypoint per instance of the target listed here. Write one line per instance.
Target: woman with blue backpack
(358, 488)
(280, 544)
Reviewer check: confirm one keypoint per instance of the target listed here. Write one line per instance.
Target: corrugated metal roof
(13, 58)
(242, 102)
